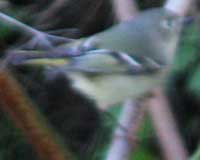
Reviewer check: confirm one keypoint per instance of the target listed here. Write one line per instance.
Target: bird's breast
(109, 90)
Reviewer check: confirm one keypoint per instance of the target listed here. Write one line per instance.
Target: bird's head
(162, 30)
(161, 22)
(170, 24)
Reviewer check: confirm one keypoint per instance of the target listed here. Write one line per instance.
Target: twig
(125, 9)
(170, 140)
(124, 137)
(19, 57)
(18, 25)
(33, 125)
(39, 39)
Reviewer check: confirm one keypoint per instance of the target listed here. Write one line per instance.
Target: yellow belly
(108, 90)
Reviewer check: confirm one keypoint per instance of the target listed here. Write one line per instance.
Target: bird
(125, 61)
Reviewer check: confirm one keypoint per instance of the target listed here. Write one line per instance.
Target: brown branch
(170, 140)
(25, 116)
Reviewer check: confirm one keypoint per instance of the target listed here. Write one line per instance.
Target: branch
(180, 7)
(33, 125)
(18, 25)
(39, 40)
(124, 135)
(20, 57)
(124, 9)
(170, 140)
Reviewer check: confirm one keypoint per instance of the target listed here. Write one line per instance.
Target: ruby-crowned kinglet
(126, 60)
(147, 44)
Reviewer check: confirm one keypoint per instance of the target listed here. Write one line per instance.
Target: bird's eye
(168, 23)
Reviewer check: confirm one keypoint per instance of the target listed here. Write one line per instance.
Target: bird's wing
(97, 61)
(102, 61)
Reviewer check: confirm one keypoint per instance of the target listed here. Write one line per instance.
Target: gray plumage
(150, 40)
(126, 60)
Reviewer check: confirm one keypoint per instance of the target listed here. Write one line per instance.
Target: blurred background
(89, 130)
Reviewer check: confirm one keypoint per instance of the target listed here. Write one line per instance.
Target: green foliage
(184, 86)
(187, 49)
(188, 57)
(5, 31)
(146, 147)
(196, 155)
(142, 153)
(194, 84)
